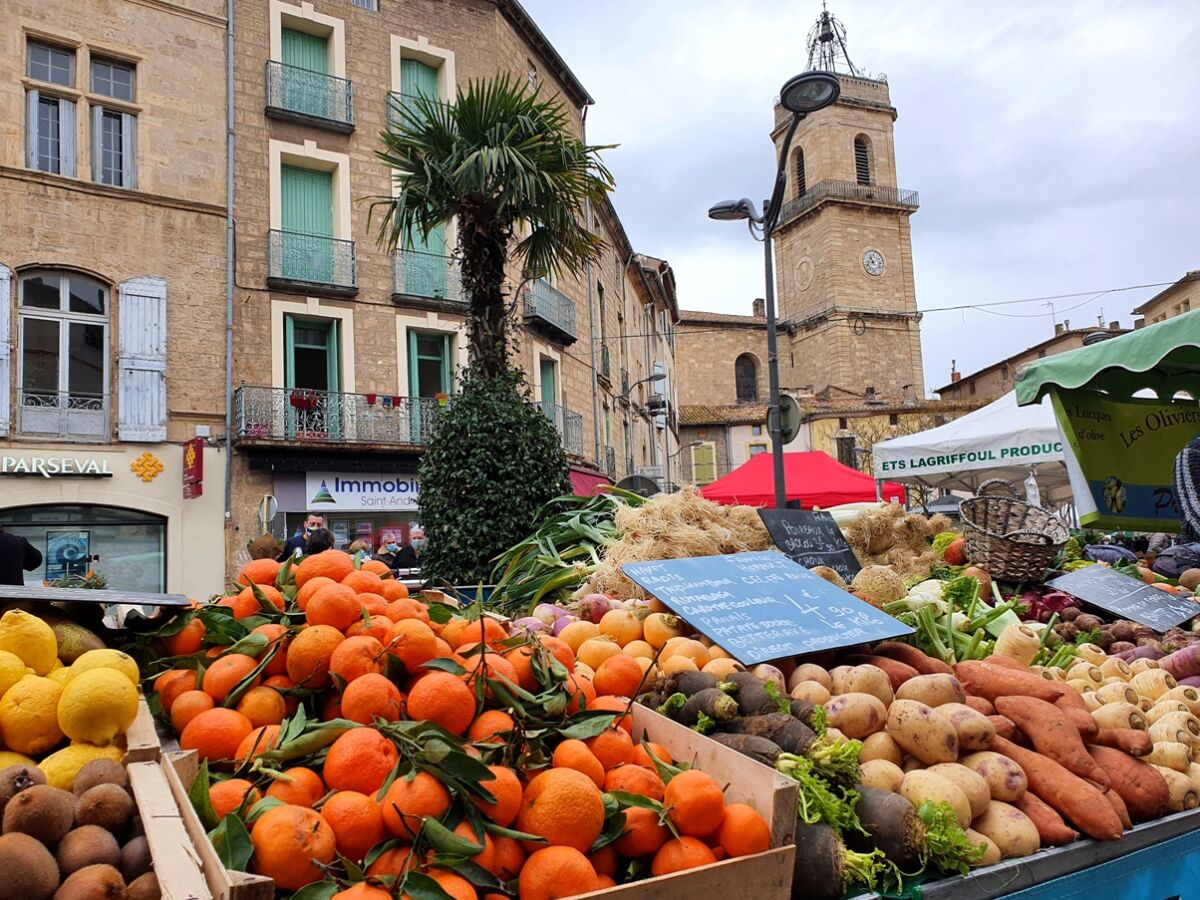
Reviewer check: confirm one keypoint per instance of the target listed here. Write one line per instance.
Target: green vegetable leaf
(319, 890)
(781, 702)
(231, 840)
(614, 827)
(201, 802)
(672, 705)
(444, 665)
(586, 725)
(947, 847)
(421, 887)
(443, 840)
(705, 724)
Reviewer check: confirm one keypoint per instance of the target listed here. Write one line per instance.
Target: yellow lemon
(97, 706)
(105, 659)
(12, 670)
(59, 675)
(29, 715)
(58, 664)
(61, 766)
(30, 638)
(9, 758)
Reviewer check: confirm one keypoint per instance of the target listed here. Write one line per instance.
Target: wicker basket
(1012, 539)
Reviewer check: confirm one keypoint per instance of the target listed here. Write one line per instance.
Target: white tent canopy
(1000, 440)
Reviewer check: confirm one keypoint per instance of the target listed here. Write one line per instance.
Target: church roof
(699, 316)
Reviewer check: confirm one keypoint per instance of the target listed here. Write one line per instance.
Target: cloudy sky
(1055, 146)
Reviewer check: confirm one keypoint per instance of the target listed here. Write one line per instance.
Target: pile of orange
(365, 647)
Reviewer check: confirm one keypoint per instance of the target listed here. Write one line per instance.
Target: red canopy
(813, 478)
(584, 483)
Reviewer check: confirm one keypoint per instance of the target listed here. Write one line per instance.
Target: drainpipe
(229, 262)
(587, 212)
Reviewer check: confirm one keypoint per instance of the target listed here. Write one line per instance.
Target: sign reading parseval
(56, 466)
(1121, 457)
(361, 491)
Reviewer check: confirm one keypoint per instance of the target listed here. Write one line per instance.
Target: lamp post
(803, 94)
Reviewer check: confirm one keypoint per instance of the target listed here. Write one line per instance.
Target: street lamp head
(809, 91)
(733, 210)
(657, 376)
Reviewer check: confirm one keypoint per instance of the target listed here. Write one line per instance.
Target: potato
(1005, 779)
(991, 855)
(837, 679)
(879, 773)
(880, 746)
(932, 690)
(1009, 829)
(974, 730)
(856, 715)
(918, 729)
(809, 672)
(867, 679)
(970, 782)
(812, 691)
(921, 785)
(911, 764)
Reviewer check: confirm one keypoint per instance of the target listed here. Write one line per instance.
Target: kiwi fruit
(144, 887)
(98, 882)
(105, 805)
(42, 812)
(15, 779)
(135, 858)
(87, 845)
(29, 871)
(100, 771)
(136, 827)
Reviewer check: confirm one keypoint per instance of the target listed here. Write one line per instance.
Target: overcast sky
(1055, 146)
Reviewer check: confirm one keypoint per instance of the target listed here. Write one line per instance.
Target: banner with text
(362, 491)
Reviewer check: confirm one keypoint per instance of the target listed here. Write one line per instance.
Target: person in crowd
(359, 546)
(1187, 491)
(389, 548)
(297, 544)
(319, 539)
(409, 556)
(17, 555)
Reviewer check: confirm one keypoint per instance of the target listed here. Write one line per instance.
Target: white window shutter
(31, 129)
(142, 388)
(66, 131)
(97, 130)
(128, 150)
(6, 366)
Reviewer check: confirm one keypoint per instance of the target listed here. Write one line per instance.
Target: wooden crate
(176, 861)
(179, 770)
(763, 876)
(141, 740)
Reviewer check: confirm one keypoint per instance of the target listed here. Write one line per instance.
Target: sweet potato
(1053, 735)
(992, 682)
(896, 671)
(1075, 799)
(1127, 740)
(1051, 828)
(1081, 719)
(1005, 727)
(1071, 699)
(911, 656)
(1118, 805)
(1006, 662)
(980, 705)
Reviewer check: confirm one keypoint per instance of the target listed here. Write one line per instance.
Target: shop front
(356, 506)
(119, 513)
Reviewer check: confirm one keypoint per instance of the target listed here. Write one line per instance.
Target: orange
(411, 798)
(355, 657)
(335, 605)
(618, 676)
(452, 632)
(374, 604)
(443, 699)
(311, 587)
(391, 864)
(405, 607)
(559, 649)
(613, 747)
(604, 860)
(308, 656)
(288, 842)
(696, 803)
(362, 891)
(563, 806)
(283, 684)
(246, 604)
(635, 780)
(362, 581)
(226, 796)
(505, 786)
(554, 872)
(299, 787)
(258, 742)
(509, 858)
(215, 733)
(189, 640)
(331, 707)
(617, 705)
(486, 856)
(259, 571)
(369, 696)
(574, 754)
(225, 673)
(377, 627)
(643, 833)
(357, 823)
(581, 691)
(172, 683)
(333, 564)
(681, 853)
(642, 758)
(603, 882)
(262, 706)
(743, 831)
(360, 760)
(394, 589)
(274, 633)
(497, 667)
(378, 566)
(455, 885)
(488, 728)
(412, 642)
(187, 706)
(521, 659)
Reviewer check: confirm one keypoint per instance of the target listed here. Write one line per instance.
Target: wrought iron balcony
(311, 260)
(298, 416)
(552, 310)
(849, 192)
(569, 426)
(302, 95)
(426, 276)
(605, 370)
(63, 415)
(610, 463)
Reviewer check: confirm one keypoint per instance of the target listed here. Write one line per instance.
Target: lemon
(29, 715)
(58, 664)
(30, 638)
(105, 659)
(61, 766)
(9, 758)
(96, 706)
(12, 670)
(59, 675)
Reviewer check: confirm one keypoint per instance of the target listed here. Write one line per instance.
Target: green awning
(1165, 358)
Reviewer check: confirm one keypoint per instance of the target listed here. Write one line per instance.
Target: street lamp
(805, 93)
(651, 406)
(657, 376)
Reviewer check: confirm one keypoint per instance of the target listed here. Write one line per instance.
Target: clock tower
(843, 252)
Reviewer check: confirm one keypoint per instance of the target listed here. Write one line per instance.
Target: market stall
(812, 479)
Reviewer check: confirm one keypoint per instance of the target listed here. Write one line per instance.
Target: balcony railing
(311, 259)
(63, 415)
(610, 463)
(546, 305)
(429, 276)
(295, 415)
(569, 426)
(605, 363)
(401, 105)
(312, 97)
(849, 191)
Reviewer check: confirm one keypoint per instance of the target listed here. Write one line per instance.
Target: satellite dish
(790, 417)
(639, 484)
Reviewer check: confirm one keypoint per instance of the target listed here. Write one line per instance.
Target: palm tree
(498, 157)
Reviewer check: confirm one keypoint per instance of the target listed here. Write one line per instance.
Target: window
(756, 430)
(972, 387)
(548, 380)
(862, 160)
(600, 308)
(311, 354)
(114, 147)
(53, 65)
(531, 73)
(798, 172)
(843, 423)
(894, 419)
(49, 119)
(428, 364)
(845, 451)
(745, 373)
(112, 79)
(756, 449)
(704, 463)
(372, 5)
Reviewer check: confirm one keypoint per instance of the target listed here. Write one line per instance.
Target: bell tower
(843, 251)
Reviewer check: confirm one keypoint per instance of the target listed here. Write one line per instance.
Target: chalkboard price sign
(811, 539)
(762, 606)
(1126, 597)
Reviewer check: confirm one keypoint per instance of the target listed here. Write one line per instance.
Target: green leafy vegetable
(947, 847)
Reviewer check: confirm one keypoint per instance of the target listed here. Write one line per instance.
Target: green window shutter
(418, 79)
(704, 464)
(428, 364)
(307, 220)
(305, 51)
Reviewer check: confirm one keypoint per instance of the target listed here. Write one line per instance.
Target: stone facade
(1183, 296)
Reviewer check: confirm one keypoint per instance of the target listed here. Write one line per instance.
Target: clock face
(873, 262)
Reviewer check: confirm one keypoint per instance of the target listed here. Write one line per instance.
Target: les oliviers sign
(361, 491)
(55, 466)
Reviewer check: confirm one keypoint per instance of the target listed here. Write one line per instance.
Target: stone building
(1183, 296)
(112, 287)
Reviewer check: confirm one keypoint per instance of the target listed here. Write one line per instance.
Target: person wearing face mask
(389, 547)
(297, 544)
(409, 556)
